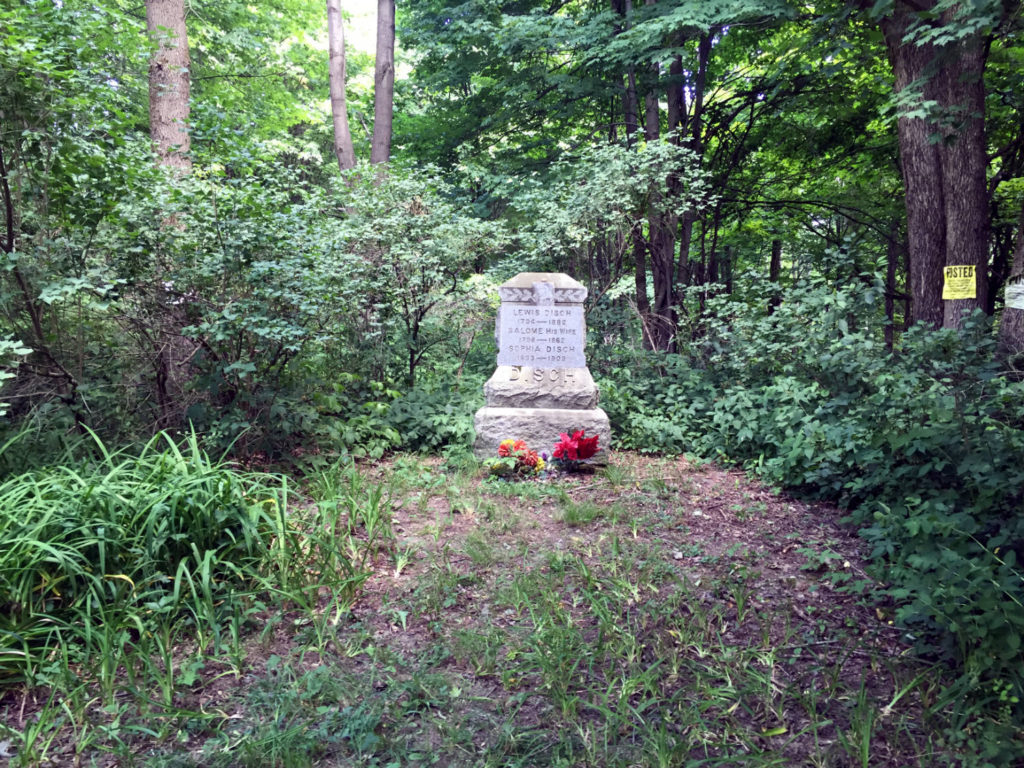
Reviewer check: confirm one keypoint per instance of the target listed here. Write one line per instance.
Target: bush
(435, 417)
(924, 446)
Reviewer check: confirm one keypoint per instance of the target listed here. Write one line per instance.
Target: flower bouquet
(516, 459)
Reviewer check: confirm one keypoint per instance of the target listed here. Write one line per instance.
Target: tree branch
(241, 75)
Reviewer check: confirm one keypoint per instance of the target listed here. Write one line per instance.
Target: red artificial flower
(575, 448)
(587, 446)
(566, 450)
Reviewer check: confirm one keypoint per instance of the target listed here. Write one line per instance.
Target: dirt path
(726, 587)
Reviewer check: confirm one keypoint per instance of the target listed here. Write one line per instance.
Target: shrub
(432, 418)
(924, 446)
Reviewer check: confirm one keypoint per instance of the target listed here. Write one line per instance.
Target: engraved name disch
(541, 336)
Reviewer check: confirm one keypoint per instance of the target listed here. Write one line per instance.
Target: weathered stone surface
(526, 387)
(541, 336)
(539, 428)
(521, 288)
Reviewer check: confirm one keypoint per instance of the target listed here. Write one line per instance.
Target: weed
(581, 513)
(616, 475)
(480, 550)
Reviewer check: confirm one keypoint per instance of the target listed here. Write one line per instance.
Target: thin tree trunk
(383, 82)
(169, 91)
(713, 270)
(676, 99)
(643, 306)
(892, 256)
(696, 141)
(169, 84)
(1011, 324)
(629, 109)
(343, 148)
(775, 274)
(684, 273)
(662, 235)
(624, 8)
(699, 86)
(730, 257)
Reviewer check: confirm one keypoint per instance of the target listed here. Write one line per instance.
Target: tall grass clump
(124, 575)
(97, 552)
(111, 561)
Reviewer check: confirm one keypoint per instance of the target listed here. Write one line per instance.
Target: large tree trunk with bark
(343, 148)
(964, 171)
(169, 83)
(383, 82)
(943, 165)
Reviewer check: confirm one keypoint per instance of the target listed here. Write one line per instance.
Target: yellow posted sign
(959, 282)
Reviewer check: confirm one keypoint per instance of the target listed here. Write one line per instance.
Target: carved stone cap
(532, 288)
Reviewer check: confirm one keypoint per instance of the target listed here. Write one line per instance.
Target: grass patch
(340, 637)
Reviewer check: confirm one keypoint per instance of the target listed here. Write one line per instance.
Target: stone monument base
(539, 428)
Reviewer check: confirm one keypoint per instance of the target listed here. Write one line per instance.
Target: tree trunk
(921, 166)
(343, 149)
(676, 99)
(643, 306)
(964, 168)
(169, 87)
(944, 168)
(169, 82)
(892, 256)
(696, 142)
(383, 82)
(716, 223)
(730, 257)
(1011, 324)
(775, 274)
(662, 235)
(629, 110)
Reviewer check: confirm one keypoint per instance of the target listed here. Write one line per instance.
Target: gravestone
(541, 386)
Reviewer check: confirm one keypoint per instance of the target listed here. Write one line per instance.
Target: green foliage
(602, 194)
(925, 446)
(431, 419)
(9, 348)
(408, 246)
(98, 549)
